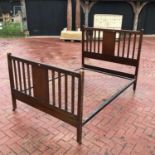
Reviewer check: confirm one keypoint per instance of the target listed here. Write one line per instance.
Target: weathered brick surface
(125, 127)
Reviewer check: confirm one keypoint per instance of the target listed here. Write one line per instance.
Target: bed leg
(135, 85)
(14, 104)
(79, 135)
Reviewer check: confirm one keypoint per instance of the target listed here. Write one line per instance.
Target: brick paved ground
(126, 126)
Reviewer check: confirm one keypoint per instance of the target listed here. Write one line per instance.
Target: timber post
(69, 15)
(78, 15)
(24, 16)
(137, 8)
(86, 6)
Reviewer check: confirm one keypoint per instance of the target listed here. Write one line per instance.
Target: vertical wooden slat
(123, 49)
(129, 42)
(24, 77)
(19, 74)
(134, 45)
(59, 89)
(66, 92)
(53, 86)
(87, 40)
(138, 58)
(98, 41)
(15, 73)
(80, 106)
(83, 43)
(73, 94)
(90, 40)
(29, 79)
(119, 42)
(94, 41)
(10, 68)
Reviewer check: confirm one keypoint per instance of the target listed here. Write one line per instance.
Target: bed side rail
(53, 90)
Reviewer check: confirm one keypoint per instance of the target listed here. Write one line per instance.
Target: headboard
(117, 46)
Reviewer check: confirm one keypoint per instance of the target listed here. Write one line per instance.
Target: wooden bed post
(11, 81)
(139, 53)
(83, 46)
(80, 107)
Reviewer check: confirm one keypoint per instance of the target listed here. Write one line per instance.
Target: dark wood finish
(40, 84)
(98, 42)
(138, 59)
(54, 111)
(19, 75)
(24, 77)
(35, 90)
(15, 71)
(12, 85)
(80, 107)
(30, 81)
(94, 41)
(119, 40)
(59, 89)
(53, 87)
(129, 42)
(73, 94)
(109, 71)
(108, 41)
(66, 92)
(125, 61)
(121, 50)
(134, 45)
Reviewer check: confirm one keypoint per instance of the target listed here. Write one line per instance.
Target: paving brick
(2, 134)
(6, 150)
(17, 149)
(36, 153)
(4, 140)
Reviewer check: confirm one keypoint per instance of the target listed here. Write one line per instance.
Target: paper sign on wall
(108, 21)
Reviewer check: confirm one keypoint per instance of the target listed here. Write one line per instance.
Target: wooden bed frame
(59, 92)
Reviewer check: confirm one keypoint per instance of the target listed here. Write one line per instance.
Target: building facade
(49, 17)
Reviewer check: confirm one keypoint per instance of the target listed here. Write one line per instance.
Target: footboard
(52, 90)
